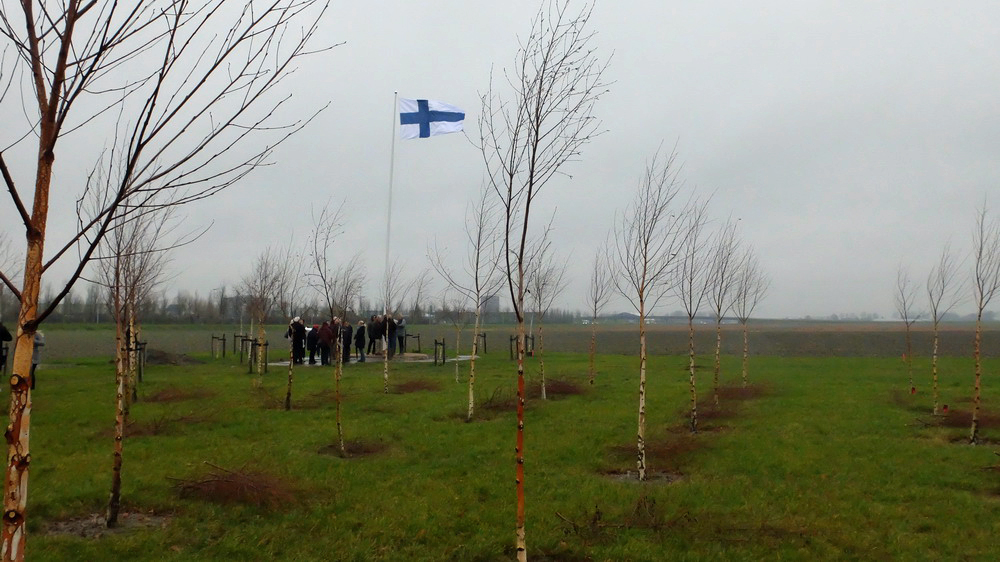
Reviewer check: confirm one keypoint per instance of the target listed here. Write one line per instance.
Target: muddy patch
(95, 525)
(355, 448)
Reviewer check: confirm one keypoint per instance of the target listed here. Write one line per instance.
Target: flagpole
(392, 169)
(388, 233)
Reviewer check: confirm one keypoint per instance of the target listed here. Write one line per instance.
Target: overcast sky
(848, 137)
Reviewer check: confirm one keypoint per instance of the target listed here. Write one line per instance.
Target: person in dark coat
(371, 334)
(5, 337)
(38, 342)
(401, 334)
(325, 342)
(297, 332)
(312, 341)
(359, 341)
(346, 335)
(390, 327)
(379, 331)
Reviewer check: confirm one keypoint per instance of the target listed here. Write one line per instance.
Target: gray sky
(848, 137)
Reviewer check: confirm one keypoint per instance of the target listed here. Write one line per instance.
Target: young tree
(395, 290)
(546, 279)
(189, 101)
(525, 140)
(458, 315)
(985, 284)
(691, 286)
(597, 298)
(261, 290)
(751, 288)
(480, 276)
(722, 274)
(131, 261)
(337, 286)
(648, 234)
(943, 290)
(906, 296)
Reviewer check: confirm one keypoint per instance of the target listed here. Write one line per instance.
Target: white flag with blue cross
(426, 118)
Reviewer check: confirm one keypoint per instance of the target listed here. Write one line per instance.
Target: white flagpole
(392, 169)
(388, 233)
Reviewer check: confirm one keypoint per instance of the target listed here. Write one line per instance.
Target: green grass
(829, 462)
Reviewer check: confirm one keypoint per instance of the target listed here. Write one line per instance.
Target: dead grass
(240, 486)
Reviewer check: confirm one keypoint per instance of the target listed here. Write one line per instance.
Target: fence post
(482, 336)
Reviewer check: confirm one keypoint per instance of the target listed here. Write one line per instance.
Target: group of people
(39, 341)
(320, 339)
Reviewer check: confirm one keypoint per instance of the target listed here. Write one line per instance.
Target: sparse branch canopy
(752, 285)
(944, 285)
(906, 295)
(723, 269)
(649, 234)
(600, 290)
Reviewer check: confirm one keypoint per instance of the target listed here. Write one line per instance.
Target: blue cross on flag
(425, 118)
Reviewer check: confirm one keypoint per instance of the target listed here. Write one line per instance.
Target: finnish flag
(425, 118)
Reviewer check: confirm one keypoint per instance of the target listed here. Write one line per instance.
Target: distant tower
(490, 305)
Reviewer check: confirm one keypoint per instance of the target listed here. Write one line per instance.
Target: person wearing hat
(297, 332)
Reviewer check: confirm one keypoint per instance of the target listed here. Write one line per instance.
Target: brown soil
(739, 392)
(95, 525)
(356, 448)
(416, 385)
(157, 357)
(652, 476)
(554, 388)
(174, 394)
(663, 454)
(242, 486)
(158, 426)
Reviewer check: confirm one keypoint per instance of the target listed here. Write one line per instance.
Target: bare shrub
(240, 486)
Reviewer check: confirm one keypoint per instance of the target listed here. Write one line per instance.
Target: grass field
(826, 458)
(768, 338)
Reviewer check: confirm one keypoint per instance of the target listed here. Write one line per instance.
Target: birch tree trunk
(718, 363)
(337, 371)
(121, 375)
(909, 360)
(385, 361)
(521, 545)
(291, 368)
(746, 353)
(934, 369)
(472, 368)
(641, 432)
(541, 358)
(593, 349)
(18, 431)
(694, 390)
(974, 431)
(261, 336)
(458, 335)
